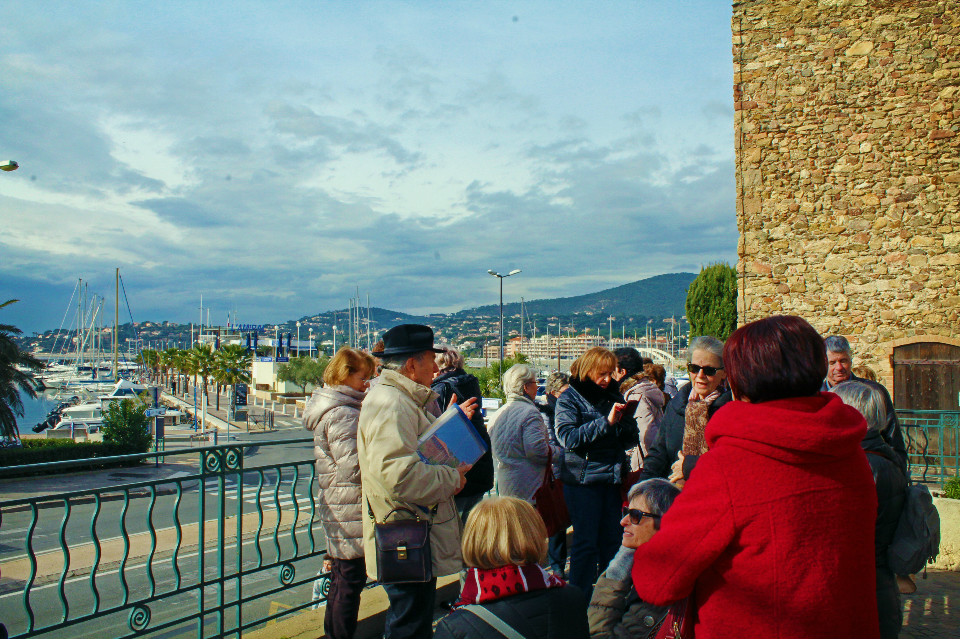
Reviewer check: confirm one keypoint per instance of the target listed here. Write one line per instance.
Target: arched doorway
(926, 376)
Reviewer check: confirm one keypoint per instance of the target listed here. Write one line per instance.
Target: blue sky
(276, 156)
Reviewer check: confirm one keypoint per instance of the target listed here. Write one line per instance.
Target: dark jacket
(465, 385)
(554, 613)
(891, 432)
(891, 491)
(593, 449)
(669, 442)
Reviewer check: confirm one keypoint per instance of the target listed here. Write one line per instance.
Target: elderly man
(392, 475)
(840, 369)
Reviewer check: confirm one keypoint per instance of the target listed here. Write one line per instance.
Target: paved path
(934, 610)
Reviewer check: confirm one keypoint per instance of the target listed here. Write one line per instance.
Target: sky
(275, 157)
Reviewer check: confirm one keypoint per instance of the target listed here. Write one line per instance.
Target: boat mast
(116, 330)
(79, 360)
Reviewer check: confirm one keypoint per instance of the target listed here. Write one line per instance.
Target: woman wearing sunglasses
(773, 533)
(615, 609)
(681, 441)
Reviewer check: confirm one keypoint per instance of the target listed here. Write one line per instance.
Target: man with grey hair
(840, 369)
(394, 479)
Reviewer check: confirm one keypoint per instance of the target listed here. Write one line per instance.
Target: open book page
(451, 440)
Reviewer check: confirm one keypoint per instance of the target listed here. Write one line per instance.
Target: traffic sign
(156, 412)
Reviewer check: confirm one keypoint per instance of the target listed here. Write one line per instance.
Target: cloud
(405, 153)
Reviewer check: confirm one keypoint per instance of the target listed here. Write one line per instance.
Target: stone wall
(848, 169)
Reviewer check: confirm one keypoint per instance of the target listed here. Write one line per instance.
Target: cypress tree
(712, 301)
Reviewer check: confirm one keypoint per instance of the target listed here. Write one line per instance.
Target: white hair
(516, 377)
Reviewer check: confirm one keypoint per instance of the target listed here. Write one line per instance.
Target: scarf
(695, 422)
(482, 585)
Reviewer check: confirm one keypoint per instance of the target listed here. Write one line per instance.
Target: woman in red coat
(773, 532)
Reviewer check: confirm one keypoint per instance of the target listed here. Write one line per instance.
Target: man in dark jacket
(453, 380)
(840, 363)
(664, 451)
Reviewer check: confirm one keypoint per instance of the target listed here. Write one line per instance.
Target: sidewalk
(932, 611)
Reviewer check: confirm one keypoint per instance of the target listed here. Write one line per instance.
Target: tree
(125, 424)
(201, 363)
(17, 374)
(302, 371)
(489, 377)
(232, 366)
(712, 302)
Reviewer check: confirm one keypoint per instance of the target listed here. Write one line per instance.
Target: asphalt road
(262, 488)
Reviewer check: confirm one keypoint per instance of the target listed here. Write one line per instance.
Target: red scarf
(482, 585)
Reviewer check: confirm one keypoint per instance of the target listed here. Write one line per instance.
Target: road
(266, 493)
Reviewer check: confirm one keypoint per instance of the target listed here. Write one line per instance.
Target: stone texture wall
(848, 167)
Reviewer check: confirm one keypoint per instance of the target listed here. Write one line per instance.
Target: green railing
(209, 552)
(933, 443)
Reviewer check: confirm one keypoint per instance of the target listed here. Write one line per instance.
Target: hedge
(41, 451)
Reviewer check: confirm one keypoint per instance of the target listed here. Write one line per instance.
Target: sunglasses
(709, 371)
(636, 516)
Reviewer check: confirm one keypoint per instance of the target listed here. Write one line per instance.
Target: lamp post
(334, 339)
(500, 277)
(310, 345)
(298, 339)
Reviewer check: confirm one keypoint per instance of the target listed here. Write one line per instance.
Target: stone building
(848, 179)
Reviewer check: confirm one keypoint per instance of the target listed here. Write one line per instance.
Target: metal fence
(933, 443)
(210, 552)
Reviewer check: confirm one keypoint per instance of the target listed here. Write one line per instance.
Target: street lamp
(298, 339)
(9, 165)
(310, 345)
(500, 277)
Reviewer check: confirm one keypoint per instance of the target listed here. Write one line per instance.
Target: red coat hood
(798, 430)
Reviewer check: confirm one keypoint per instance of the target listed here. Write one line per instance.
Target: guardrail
(933, 443)
(209, 553)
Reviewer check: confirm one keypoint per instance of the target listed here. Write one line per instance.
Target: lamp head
(9, 165)
(513, 272)
(492, 272)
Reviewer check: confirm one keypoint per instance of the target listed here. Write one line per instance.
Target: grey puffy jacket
(332, 414)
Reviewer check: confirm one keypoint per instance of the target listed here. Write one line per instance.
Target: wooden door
(926, 376)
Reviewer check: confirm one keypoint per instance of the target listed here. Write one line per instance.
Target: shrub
(125, 426)
(951, 489)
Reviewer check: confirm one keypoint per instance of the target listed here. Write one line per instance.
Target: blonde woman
(595, 430)
(332, 414)
(506, 592)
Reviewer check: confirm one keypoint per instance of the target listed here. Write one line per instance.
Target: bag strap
(498, 624)
(432, 512)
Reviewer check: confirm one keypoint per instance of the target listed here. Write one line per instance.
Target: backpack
(917, 538)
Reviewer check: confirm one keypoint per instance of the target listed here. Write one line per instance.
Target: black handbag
(403, 548)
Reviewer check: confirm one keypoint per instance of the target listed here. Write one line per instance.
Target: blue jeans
(410, 615)
(595, 514)
(557, 553)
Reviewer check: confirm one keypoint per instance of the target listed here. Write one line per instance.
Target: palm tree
(232, 367)
(166, 363)
(14, 379)
(180, 361)
(202, 363)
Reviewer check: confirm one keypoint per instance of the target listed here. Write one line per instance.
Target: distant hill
(657, 296)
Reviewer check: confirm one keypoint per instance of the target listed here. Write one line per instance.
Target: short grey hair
(705, 343)
(515, 378)
(397, 362)
(866, 399)
(658, 493)
(557, 380)
(838, 344)
(450, 359)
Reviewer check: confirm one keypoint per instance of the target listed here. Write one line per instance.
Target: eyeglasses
(636, 516)
(709, 371)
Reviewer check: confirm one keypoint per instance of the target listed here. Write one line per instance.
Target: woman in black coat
(595, 431)
(503, 543)
(453, 380)
(682, 426)
(891, 492)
